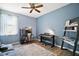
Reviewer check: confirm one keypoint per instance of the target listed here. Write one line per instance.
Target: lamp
(51, 32)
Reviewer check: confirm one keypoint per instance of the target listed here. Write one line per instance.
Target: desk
(48, 37)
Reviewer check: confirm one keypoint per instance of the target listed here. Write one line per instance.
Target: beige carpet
(32, 50)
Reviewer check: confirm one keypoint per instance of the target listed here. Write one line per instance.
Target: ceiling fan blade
(31, 4)
(38, 6)
(37, 10)
(26, 7)
(31, 11)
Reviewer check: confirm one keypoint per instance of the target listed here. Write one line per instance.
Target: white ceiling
(16, 7)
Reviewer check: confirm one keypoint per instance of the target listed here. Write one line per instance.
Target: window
(8, 24)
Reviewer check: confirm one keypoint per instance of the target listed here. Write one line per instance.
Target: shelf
(72, 25)
(69, 41)
(71, 30)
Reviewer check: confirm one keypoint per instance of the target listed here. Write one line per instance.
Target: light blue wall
(23, 21)
(55, 20)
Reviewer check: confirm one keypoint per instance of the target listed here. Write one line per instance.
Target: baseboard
(67, 48)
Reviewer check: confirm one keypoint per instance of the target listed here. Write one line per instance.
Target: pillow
(9, 46)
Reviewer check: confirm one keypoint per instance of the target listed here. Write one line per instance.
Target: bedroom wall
(23, 21)
(55, 21)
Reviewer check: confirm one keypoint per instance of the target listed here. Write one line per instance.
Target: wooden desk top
(47, 36)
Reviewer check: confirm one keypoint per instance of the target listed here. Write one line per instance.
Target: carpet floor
(35, 48)
(55, 50)
(32, 50)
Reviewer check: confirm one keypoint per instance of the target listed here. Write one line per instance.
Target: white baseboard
(67, 48)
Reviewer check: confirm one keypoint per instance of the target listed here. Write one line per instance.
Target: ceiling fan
(33, 6)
